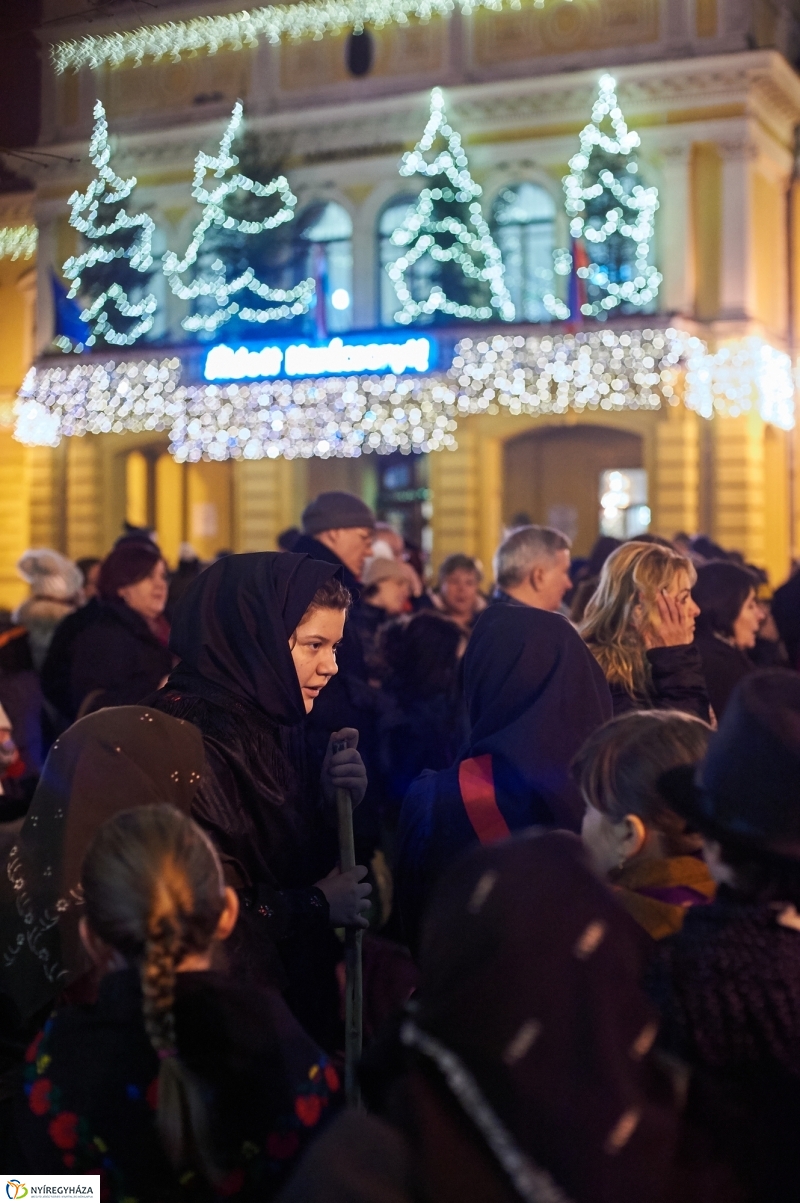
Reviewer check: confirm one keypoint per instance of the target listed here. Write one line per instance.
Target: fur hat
(50, 574)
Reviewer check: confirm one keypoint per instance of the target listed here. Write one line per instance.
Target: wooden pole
(353, 989)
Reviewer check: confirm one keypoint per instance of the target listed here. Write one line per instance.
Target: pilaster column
(677, 485)
(739, 479)
(455, 496)
(736, 269)
(84, 497)
(675, 250)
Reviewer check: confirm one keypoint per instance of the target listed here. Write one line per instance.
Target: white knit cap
(50, 574)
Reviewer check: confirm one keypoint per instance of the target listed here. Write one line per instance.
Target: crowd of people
(577, 833)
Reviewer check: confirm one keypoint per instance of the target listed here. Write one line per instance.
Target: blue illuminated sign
(334, 358)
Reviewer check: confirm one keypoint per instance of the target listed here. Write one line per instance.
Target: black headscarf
(232, 628)
(534, 693)
(530, 977)
(110, 761)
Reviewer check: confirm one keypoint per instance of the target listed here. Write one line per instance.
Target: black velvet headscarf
(232, 628)
(114, 760)
(530, 976)
(535, 693)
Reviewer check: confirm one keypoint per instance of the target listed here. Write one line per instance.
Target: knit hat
(747, 789)
(336, 511)
(379, 569)
(50, 574)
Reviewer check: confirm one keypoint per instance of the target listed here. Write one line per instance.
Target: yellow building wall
(706, 213)
(769, 252)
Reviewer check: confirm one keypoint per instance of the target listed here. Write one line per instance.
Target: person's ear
(536, 578)
(230, 913)
(634, 835)
(100, 954)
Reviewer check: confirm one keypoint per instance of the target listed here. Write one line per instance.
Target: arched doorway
(552, 476)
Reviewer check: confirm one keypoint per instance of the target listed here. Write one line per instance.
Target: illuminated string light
(18, 242)
(346, 416)
(739, 378)
(213, 282)
(97, 398)
(235, 31)
(342, 417)
(550, 374)
(630, 211)
(473, 249)
(109, 189)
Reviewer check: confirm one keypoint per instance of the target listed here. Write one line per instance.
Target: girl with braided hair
(177, 1082)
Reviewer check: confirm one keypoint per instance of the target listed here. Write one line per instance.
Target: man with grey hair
(531, 568)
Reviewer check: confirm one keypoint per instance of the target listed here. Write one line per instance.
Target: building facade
(710, 87)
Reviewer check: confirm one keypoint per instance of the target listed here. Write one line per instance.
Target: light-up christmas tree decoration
(611, 212)
(217, 282)
(110, 275)
(467, 279)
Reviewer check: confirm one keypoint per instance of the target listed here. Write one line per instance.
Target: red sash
(476, 783)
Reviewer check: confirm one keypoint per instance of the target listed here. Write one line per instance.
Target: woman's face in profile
(313, 646)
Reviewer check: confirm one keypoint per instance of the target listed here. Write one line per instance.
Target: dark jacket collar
(318, 551)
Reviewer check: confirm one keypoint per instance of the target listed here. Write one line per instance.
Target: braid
(153, 889)
(161, 955)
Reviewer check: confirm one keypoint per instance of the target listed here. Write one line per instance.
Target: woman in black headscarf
(108, 762)
(534, 693)
(256, 635)
(524, 1068)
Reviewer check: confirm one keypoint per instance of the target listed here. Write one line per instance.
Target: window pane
(325, 234)
(523, 217)
(421, 276)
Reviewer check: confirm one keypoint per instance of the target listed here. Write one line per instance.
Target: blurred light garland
(18, 242)
(212, 282)
(550, 374)
(236, 30)
(109, 189)
(741, 377)
(340, 417)
(97, 398)
(419, 229)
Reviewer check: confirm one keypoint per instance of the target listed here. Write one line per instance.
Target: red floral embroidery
(64, 1130)
(151, 1095)
(39, 1097)
(308, 1108)
(33, 1049)
(282, 1145)
(232, 1184)
(331, 1078)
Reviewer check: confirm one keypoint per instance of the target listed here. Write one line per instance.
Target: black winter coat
(56, 673)
(90, 1090)
(677, 683)
(117, 659)
(260, 803)
(728, 987)
(723, 668)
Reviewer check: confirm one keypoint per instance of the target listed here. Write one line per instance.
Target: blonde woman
(639, 625)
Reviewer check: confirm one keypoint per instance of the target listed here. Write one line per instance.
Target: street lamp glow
(340, 298)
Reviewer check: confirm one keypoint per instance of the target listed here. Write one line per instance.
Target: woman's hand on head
(674, 625)
(344, 769)
(348, 896)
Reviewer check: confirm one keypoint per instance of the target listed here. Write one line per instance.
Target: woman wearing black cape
(534, 693)
(256, 635)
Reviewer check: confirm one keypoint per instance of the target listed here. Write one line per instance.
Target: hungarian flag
(576, 292)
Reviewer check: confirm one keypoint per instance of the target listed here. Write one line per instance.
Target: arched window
(420, 277)
(523, 216)
(325, 238)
